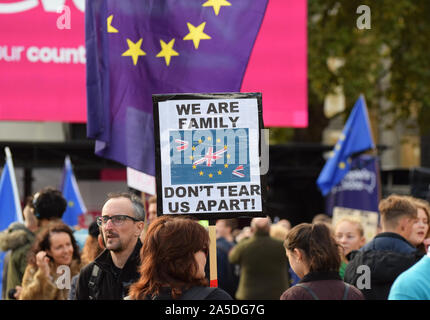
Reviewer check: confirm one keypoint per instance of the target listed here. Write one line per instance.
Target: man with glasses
(116, 268)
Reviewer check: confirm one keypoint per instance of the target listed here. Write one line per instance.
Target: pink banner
(278, 64)
(42, 60)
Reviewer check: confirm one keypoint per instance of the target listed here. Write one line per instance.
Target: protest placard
(208, 149)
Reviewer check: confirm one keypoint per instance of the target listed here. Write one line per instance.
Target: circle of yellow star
(167, 51)
(201, 173)
(210, 175)
(134, 50)
(196, 34)
(216, 4)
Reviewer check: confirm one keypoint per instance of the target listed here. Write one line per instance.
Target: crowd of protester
(132, 254)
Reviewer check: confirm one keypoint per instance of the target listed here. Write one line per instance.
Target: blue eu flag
(10, 206)
(70, 190)
(209, 156)
(356, 137)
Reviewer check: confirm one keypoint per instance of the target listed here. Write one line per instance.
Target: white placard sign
(208, 154)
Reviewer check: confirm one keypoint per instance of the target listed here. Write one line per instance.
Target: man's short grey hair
(138, 208)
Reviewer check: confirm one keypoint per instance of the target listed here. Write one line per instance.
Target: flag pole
(9, 163)
(212, 255)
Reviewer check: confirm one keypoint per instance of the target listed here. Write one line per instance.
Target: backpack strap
(345, 294)
(94, 279)
(309, 290)
(197, 293)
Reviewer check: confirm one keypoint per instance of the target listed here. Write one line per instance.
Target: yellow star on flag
(225, 147)
(134, 50)
(209, 138)
(194, 166)
(210, 175)
(226, 165)
(342, 165)
(219, 172)
(228, 156)
(201, 173)
(218, 140)
(71, 203)
(191, 157)
(200, 141)
(216, 4)
(167, 51)
(196, 34)
(111, 29)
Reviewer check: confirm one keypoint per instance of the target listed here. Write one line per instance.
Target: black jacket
(387, 256)
(112, 283)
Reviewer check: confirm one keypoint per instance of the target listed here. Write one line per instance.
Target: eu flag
(10, 206)
(70, 190)
(209, 156)
(137, 48)
(356, 137)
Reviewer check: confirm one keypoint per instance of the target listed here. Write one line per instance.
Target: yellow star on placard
(201, 173)
(196, 34)
(216, 4)
(134, 50)
(167, 51)
(110, 29)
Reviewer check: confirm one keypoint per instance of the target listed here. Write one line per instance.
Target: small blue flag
(70, 190)
(10, 206)
(356, 137)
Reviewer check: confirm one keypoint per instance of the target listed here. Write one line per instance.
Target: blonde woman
(349, 233)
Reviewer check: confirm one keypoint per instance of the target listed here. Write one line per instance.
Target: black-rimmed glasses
(117, 220)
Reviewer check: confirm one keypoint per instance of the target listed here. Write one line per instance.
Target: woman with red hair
(173, 259)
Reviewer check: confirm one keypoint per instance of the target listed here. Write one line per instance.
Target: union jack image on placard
(209, 156)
